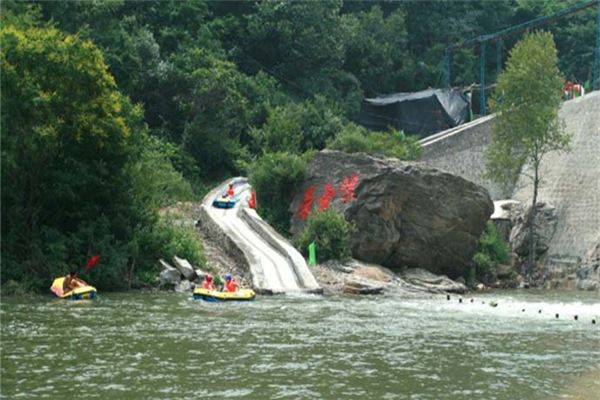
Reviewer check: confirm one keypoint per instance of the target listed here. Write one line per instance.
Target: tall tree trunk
(531, 222)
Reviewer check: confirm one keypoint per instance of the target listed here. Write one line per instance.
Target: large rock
(184, 267)
(422, 278)
(361, 287)
(545, 224)
(405, 215)
(168, 274)
(184, 287)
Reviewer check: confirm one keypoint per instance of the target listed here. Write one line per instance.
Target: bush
(274, 176)
(354, 139)
(331, 233)
(182, 242)
(491, 251)
(297, 127)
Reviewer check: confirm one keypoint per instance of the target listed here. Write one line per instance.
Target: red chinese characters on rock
(346, 190)
(306, 204)
(328, 195)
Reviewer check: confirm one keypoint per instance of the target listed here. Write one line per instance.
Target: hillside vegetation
(114, 109)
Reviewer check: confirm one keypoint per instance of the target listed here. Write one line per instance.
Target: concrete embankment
(570, 181)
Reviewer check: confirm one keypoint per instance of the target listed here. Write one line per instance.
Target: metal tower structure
(497, 38)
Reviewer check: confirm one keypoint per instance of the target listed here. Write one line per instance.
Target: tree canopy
(113, 109)
(527, 127)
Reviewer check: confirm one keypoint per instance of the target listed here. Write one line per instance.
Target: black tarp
(420, 113)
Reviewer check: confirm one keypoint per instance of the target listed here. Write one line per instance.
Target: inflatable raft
(80, 293)
(225, 202)
(216, 296)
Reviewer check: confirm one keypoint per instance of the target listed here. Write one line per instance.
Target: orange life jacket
(231, 286)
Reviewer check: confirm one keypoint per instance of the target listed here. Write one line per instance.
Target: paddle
(92, 262)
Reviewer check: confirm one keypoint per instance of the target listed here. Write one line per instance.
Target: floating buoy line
(495, 304)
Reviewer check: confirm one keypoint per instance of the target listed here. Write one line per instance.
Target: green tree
(491, 251)
(355, 139)
(331, 234)
(298, 126)
(376, 50)
(79, 173)
(275, 176)
(527, 127)
(67, 134)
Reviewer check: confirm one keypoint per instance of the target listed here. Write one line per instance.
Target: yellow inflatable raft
(80, 293)
(216, 296)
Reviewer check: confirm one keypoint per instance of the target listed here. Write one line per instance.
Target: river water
(145, 345)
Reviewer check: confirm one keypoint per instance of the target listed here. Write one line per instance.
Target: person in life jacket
(230, 191)
(208, 283)
(72, 282)
(230, 284)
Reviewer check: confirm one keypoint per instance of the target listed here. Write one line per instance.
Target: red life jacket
(231, 286)
(209, 285)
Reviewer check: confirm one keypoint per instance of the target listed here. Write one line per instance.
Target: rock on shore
(356, 277)
(405, 215)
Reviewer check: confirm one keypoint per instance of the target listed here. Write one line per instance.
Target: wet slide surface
(275, 265)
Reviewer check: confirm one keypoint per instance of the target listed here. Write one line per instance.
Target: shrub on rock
(331, 233)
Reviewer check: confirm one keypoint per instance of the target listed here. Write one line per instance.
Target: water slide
(275, 265)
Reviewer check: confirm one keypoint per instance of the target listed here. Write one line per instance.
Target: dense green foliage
(80, 175)
(331, 234)
(354, 139)
(491, 251)
(527, 126)
(274, 177)
(114, 109)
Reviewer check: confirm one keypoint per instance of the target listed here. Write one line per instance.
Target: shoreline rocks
(356, 277)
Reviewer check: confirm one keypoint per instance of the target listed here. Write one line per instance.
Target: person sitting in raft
(72, 282)
(230, 284)
(208, 282)
(230, 191)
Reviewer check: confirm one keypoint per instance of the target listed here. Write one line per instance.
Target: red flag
(92, 262)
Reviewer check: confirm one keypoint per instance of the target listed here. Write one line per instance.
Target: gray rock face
(589, 277)
(435, 283)
(361, 287)
(545, 223)
(405, 215)
(184, 267)
(184, 287)
(168, 275)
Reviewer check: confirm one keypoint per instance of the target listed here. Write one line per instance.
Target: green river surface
(159, 345)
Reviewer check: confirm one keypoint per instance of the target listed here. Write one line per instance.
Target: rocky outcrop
(405, 215)
(184, 267)
(435, 283)
(588, 276)
(505, 214)
(356, 277)
(359, 287)
(545, 226)
(173, 278)
(169, 276)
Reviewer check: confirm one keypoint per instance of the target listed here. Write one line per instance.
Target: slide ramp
(275, 265)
